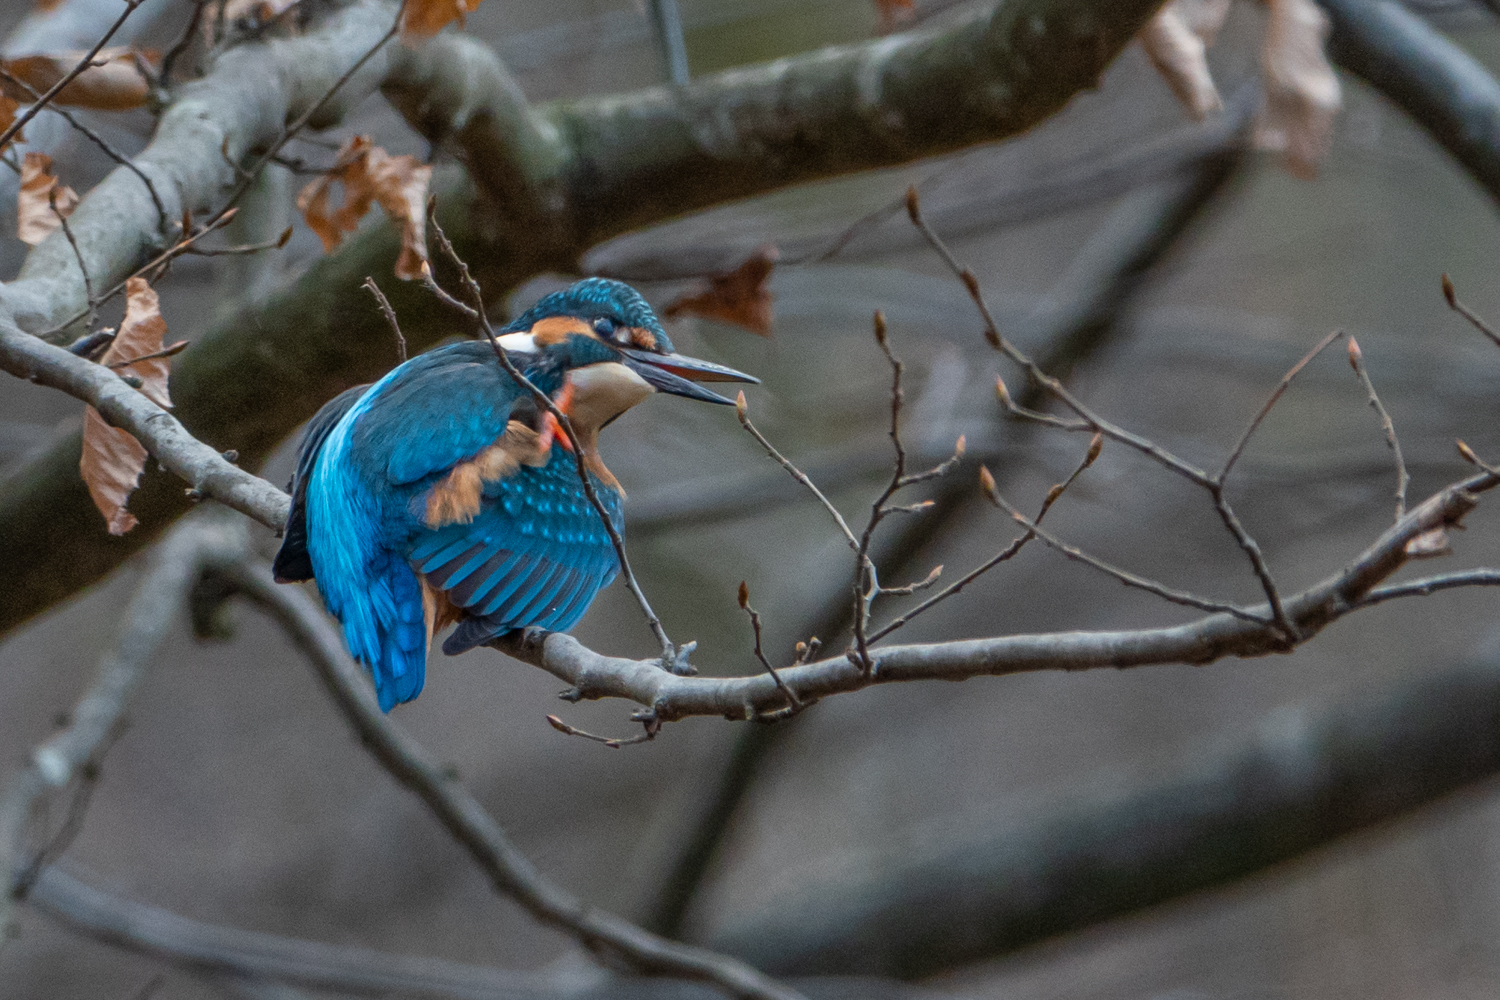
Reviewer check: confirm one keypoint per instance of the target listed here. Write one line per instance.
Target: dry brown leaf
(35, 216)
(259, 11)
(116, 85)
(1302, 92)
(1430, 543)
(422, 19)
(895, 13)
(112, 459)
(1176, 41)
(45, 5)
(369, 175)
(739, 296)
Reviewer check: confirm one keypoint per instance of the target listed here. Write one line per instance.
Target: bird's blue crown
(595, 297)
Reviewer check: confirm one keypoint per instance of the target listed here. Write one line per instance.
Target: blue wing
(292, 564)
(534, 556)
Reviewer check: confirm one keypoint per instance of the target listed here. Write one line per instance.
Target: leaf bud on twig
(1355, 354)
(740, 406)
(1449, 292)
(744, 595)
(913, 205)
(987, 483)
(1096, 445)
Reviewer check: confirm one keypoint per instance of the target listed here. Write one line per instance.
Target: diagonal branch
(468, 821)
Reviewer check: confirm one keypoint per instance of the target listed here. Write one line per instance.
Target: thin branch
(189, 34)
(1009, 552)
(250, 175)
(1426, 585)
(1094, 422)
(613, 742)
(99, 141)
(1124, 576)
(243, 249)
(166, 352)
(166, 936)
(1357, 362)
(467, 820)
(1249, 633)
(96, 720)
(866, 577)
(742, 410)
(83, 269)
(85, 63)
(673, 658)
(1281, 387)
(793, 703)
(1475, 320)
(389, 313)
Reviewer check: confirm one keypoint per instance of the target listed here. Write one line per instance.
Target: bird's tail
(386, 630)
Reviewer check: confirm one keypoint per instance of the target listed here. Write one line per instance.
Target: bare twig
(250, 174)
(68, 77)
(1124, 576)
(242, 249)
(613, 742)
(673, 658)
(469, 823)
(794, 704)
(1357, 362)
(99, 141)
(83, 269)
(1092, 421)
(172, 350)
(1426, 585)
(1474, 318)
(866, 576)
(389, 313)
(742, 409)
(1096, 445)
(1250, 632)
(1281, 387)
(189, 33)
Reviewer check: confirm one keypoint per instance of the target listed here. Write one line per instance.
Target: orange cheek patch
(556, 329)
(643, 338)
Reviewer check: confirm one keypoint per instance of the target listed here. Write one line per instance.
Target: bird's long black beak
(672, 372)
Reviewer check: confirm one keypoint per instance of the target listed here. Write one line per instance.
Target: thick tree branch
(95, 721)
(245, 102)
(1214, 637)
(1440, 86)
(1308, 775)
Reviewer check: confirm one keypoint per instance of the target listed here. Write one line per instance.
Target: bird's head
(601, 336)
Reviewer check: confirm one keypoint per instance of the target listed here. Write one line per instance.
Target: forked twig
(742, 410)
(1281, 387)
(614, 743)
(1092, 421)
(1124, 576)
(85, 63)
(1009, 552)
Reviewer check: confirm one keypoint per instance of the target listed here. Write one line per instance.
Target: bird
(443, 494)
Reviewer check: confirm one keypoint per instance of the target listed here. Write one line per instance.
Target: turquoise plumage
(442, 493)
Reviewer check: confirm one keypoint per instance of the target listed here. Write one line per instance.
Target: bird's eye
(604, 326)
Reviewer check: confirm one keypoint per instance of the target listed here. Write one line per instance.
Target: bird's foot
(676, 660)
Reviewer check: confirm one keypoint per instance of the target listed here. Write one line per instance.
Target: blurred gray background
(239, 797)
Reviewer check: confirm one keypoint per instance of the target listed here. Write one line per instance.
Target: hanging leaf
(424, 18)
(1176, 41)
(112, 459)
(8, 108)
(35, 216)
(369, 175)
(113, 83)
(1302, 91)
(739, 296)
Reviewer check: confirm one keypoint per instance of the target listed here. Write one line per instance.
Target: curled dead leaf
(113, 83)
(369, 175)
(36, 217)
(8, 108)
(739, 296)
(422, 19)
(113, 459)
(1302, 91)
(1176, 41)
(1433, 542)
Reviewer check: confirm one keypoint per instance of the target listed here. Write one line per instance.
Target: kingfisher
(442, 494)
